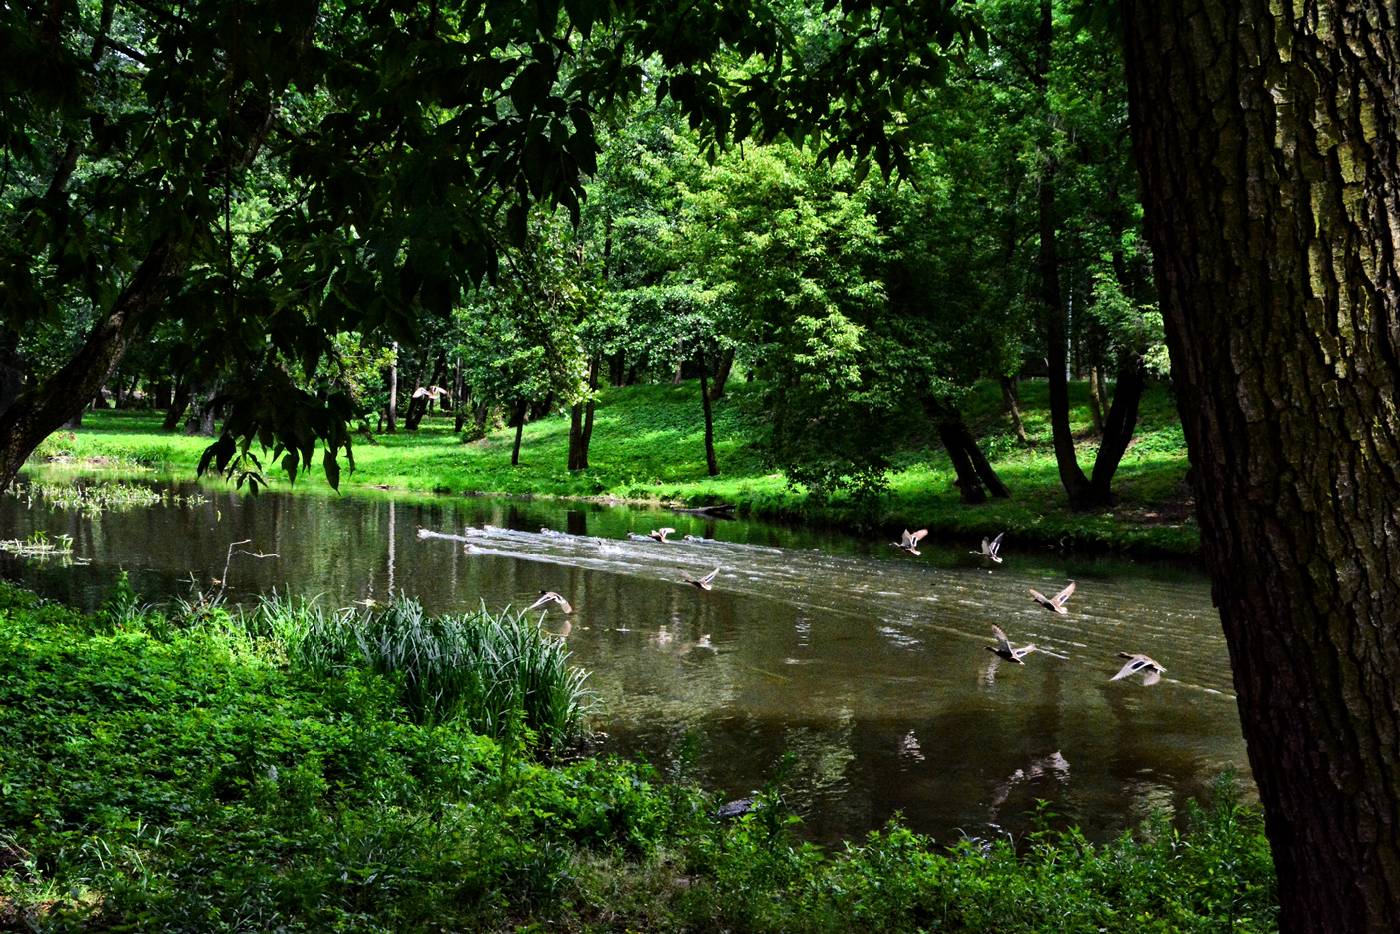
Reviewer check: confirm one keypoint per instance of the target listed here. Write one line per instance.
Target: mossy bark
(1269, 141)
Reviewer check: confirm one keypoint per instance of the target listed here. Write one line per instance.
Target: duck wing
(1063, 595)
(709, 578)
(1040, 597)
(1134, 665)
(1003, 642)
(1152, 677)
(918, 536)
(995, 548)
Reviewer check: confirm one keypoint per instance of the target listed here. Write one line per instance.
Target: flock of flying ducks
(909, 541)
(991, 550)
(707, 582)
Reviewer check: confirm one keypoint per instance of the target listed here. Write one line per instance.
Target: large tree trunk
(418, 405)
(711, 462)
(1269, 143)
(45, 407)
(975, 474)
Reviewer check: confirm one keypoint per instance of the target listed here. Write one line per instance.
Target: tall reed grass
(497, 673)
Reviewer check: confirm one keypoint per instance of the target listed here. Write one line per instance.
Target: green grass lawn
(648, 445)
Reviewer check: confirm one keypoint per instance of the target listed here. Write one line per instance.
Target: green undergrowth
(648, 445)
(182, 770)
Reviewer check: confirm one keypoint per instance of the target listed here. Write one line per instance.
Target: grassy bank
(647, 445)
(192, 770)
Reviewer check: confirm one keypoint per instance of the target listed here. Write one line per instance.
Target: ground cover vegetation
(272, 216)
(209, 770)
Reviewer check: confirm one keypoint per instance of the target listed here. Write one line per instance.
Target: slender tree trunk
(1013, 408)
(1117, 429)
(593, 368)
(1052, 299)
(178, 404)
(522, 409)
(393, 414)
(482, 413)
(464, 404)
(711, 463)
(1269, 143)
(1096, 391)
(722, 370)
(576, 436)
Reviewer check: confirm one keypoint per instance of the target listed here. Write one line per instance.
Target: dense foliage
(191, 775)
(494, 209)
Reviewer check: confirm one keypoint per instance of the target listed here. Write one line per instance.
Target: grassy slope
(647, 444)
(182, 772)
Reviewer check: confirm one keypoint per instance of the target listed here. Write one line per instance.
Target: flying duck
(1004, 649)
(547, 597)
(1055, 603)
(990, 549)
(1139, 663)
(909, 541)
(704, 583)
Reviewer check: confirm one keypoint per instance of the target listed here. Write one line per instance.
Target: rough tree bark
(1268, 138)
(44, 407)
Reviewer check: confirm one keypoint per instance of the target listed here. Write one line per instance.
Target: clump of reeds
(496, 672)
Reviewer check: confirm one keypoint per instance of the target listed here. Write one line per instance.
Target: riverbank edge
(1060, 531)
(203, 775)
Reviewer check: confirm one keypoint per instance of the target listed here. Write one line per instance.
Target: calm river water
(850, 670)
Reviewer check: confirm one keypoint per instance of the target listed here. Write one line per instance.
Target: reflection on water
(853, 672)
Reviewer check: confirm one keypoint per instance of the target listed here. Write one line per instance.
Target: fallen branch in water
(223, 581)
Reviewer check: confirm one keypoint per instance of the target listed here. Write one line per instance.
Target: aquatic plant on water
(94, 498)
(39, 545)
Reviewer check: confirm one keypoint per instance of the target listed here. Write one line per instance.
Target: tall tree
(1269, 143)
